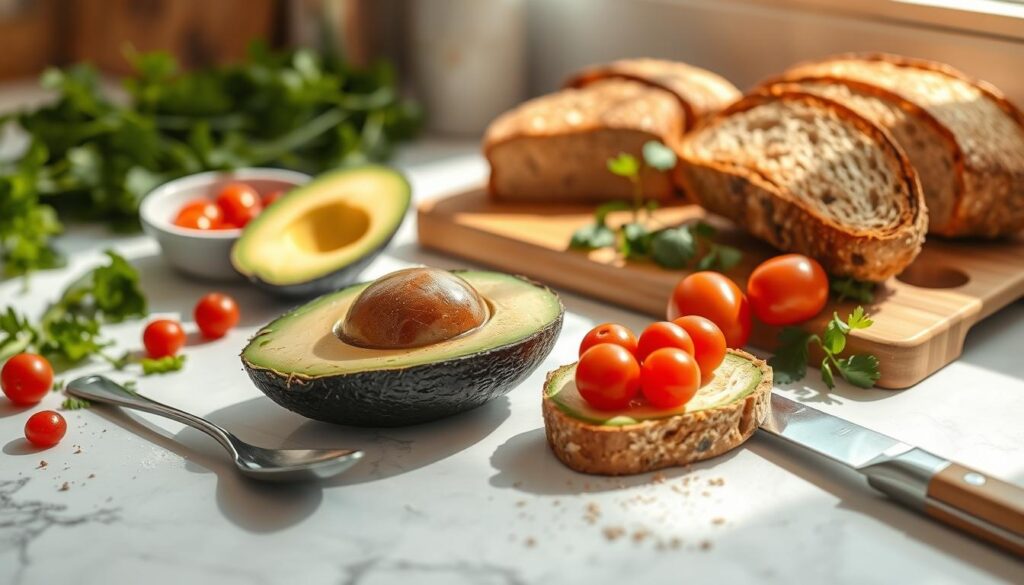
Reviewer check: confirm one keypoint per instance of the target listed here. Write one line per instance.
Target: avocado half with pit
(395, 351)
(319, 237)
(723, 414)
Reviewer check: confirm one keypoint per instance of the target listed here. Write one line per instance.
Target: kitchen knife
(946, 491)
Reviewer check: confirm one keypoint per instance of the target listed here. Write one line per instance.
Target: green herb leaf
(790, 360)
(171, 363)
(658, 156)
(858, 319)
(602, 211)
(635, 240)
(592, 237)
(720, 258)
(673, 247)
(826, 373)
(58, 385)
(624, 165)
(74, 403)
(834, 340)
(860, 370)
(849, 288)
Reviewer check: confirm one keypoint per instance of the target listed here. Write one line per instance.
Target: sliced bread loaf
(556, 147)
(809, 175)
(700, 92)
(963, 136)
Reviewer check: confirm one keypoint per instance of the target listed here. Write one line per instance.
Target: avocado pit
(415, 307)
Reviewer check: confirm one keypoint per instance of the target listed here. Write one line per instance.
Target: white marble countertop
(477, 498)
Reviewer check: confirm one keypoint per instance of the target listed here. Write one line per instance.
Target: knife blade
(946, 491)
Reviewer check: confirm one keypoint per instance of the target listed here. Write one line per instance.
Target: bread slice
(700, 92)
(965, 138)
(809, 175)
(657, 443)
(556, 147)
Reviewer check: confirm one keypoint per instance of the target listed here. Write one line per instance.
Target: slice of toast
(965, 138)
(648, 445)
(700, 92)
(556, 147)
(809, 175)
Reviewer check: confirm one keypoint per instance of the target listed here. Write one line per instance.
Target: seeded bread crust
(656, 444)
(988, 190)
(700, 92)
(770, 212)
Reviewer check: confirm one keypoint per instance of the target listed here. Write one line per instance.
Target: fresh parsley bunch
(790, 361)
(672, 247)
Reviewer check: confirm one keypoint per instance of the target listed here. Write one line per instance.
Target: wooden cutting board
(921, 317)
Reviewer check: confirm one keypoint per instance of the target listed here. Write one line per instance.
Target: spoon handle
(101, 389)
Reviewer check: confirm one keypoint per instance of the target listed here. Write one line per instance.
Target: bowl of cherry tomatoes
(197, 219)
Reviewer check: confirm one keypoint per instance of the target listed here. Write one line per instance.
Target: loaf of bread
(809, 175)
(700, 92)
(965, 139)
(556, 147)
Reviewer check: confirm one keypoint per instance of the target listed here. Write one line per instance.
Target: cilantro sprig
(790, 361)
(684, 246)
(69, 330)
(851, 288)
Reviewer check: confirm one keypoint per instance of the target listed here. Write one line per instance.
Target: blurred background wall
(467, 60)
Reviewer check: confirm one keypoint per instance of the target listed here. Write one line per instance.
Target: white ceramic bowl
(205, 254)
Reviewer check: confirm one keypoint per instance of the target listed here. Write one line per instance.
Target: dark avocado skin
(340, 278)
(417, 394)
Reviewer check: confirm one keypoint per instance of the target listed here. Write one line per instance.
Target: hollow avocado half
(319, 237)
(300, 363)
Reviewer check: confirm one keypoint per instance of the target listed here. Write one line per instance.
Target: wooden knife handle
(958, 493)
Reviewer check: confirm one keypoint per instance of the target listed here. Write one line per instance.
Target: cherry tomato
(200, 215)
(609, 333)
(163, 337)
(669, 377)
(216, 314)
(708, 343)
(608, 377)
(787, 289)
(240, 204)
(26, 378)
(45, 428)
(712, 295)
(272, 198)
(662, 334)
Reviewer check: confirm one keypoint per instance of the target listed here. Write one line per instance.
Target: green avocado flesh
(301, 344)
(323, 227)
(735, 378)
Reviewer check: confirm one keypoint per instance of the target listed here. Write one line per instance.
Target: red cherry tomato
(163, 337)
(240, 203)
(272, 198)
(669, 377)
(787, 289)
(712, 295)
(26, 378)
(708, 343)
(216, 314)
(662, 334)
(608, 377)
(200, 215)
(45, 428)
(609, 333)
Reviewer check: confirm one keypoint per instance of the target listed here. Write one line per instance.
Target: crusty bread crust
(657, 444)
(768, 212)
(700, 92)
(989, 202)
(575, 131)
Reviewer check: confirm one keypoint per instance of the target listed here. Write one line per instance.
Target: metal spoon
(255, 462)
